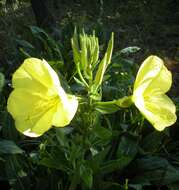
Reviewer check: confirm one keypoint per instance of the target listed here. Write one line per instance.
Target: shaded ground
(151, 25)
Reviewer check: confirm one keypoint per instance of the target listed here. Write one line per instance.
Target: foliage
(98, 150)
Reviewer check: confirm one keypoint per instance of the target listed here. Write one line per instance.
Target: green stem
(106, 103)
(74, 182)
(126, 184)
(124, 102)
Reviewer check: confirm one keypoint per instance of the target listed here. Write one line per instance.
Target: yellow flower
(152, 82)
(38, 101)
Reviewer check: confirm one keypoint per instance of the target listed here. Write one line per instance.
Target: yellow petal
(32, 112)
(158, 110)
(38, 101)
(36, 75)
(65, 112)
(149, 69)
(152, 82)
(39, 127)
(161, 83)
(153, 78)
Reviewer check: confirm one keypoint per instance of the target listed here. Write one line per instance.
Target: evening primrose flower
(152, 82)
(38, 101)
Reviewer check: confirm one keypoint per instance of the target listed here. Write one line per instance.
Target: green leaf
(126, 152)
(152, 142)
(102, 132)
(9, 147)
(2, 81)
(56, 160)
(173, 186)
(79, 82)
(95, 55)
(106, 108)
(75, 47)
(129, 50)
(15, 173)
(110, 49)
(128, 147)
(61, 135)
(100, 156)
(84, 52)
(140, 185)
(24, 53)
(25, 44)
(36, 31)
(98, 159)
(106, 185)
(86, 174)
(100, 72)
(113, 165)
(157, 170)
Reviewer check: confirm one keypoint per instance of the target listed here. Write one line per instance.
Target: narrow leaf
(9, 147)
